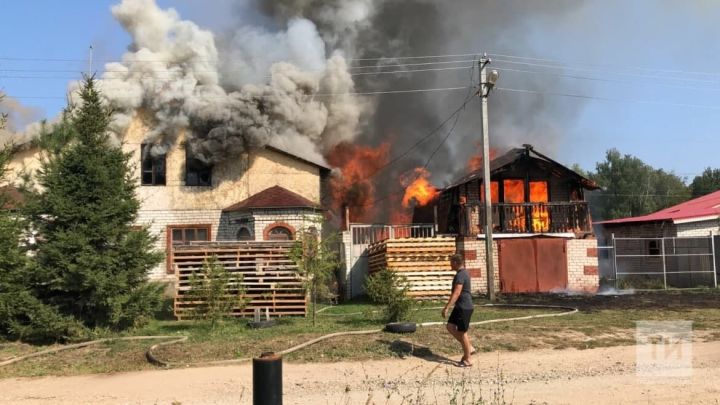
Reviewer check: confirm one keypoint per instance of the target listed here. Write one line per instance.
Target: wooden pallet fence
(424, 262)
(269, 276)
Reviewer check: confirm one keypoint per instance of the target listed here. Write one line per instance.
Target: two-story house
(542, 232)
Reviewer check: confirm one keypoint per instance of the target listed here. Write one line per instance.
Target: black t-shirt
(465, 299)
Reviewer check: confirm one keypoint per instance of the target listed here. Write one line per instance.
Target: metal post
(267, 379)
(662, 241)
(484, 91)
(712, 244)
(614, 253)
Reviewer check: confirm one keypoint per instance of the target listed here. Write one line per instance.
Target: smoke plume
(253, 88)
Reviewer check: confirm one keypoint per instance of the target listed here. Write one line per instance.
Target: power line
(587, 97)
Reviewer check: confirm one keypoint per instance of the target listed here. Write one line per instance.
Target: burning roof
(516, 154)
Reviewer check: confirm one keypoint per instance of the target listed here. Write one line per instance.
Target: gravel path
(595, 376)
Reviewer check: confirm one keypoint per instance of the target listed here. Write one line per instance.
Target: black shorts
(460, 318)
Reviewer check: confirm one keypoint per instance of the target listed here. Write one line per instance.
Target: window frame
(169, 239)
(147, 158)
(191, 161)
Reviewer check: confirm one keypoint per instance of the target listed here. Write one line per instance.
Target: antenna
(90, 61)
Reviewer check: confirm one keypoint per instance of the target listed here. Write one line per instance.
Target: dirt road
(595, 376)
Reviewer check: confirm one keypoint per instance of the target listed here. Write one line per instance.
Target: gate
(532, 265)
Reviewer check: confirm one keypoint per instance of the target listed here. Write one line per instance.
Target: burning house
(541, 224)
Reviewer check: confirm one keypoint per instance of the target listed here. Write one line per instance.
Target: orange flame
(475, 162)
(354, 186)
(540, 215)
(420, 190)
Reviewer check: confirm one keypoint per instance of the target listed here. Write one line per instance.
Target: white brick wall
(159, 221)
(477, 266)
(702, 228)
(223, 226)
(577, 259)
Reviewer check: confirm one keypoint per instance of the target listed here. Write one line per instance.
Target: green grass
(602, 321)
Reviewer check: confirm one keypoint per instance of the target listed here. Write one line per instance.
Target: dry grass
(602, 321)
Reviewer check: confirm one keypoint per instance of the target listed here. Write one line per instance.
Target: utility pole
(485, 87)
(90, 61)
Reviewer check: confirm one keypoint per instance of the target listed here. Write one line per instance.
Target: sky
(644, 72)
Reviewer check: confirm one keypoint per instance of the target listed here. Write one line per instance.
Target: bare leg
(464, 340)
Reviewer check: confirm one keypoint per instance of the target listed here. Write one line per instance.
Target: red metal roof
(698, 208)
(273, 197)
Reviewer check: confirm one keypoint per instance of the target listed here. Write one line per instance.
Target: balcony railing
(553, 217)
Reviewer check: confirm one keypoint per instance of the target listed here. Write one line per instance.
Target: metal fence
(660, 263)
(366, 234)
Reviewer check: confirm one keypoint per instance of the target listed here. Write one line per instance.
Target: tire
(401, 327)
(262, 324)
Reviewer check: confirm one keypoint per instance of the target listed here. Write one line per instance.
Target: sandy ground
(595, 376)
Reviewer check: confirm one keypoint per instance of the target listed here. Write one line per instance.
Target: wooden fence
(424, 262)
(269, 275)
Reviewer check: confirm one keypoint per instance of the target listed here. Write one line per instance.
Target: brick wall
(473, 250)
(582, 260)
(159, 221)
(702, 228)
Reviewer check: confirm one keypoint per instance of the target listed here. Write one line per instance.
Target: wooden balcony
(553, 217)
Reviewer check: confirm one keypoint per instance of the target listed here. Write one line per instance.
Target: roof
(516, 154)
(273, 197)
(13, 197)
(276, 147)
(702, 208)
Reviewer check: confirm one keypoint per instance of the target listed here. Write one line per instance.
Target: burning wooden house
(541, 223)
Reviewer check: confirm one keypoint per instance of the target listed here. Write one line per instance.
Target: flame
(540, 215)
(353, 186)
(475, 162)
(420, 190)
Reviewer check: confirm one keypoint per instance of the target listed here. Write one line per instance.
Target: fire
(540, 214)
(475, 162)
(420, 190)
(354, 186)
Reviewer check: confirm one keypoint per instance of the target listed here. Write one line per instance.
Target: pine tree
(91, 263)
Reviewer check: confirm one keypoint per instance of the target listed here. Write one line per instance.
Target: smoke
(379, 32)
(229, 94)
(19, 117)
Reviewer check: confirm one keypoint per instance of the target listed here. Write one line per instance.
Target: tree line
(631, 187)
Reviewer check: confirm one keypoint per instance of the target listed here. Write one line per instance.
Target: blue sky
(648, 103)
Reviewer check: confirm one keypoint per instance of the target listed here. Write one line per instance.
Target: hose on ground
(154, 359)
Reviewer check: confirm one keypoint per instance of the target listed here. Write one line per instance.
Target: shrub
(216, 291)
(390, 290)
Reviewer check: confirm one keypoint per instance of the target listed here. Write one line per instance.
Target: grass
(602, 321)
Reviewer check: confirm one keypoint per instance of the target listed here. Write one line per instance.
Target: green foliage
(317, 259)
(632, 187)
(217, 292)
(706, 183)
(90, 262)
(390, 290)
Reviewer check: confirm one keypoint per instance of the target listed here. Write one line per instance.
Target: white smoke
(229, 96)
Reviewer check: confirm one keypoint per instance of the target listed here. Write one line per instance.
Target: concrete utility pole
(486, 84)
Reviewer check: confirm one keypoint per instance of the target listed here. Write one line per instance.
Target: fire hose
(152, 357)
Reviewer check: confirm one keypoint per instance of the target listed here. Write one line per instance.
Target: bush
(216, 291)
(390, 290)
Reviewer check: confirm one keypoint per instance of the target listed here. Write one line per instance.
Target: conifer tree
(91, 263)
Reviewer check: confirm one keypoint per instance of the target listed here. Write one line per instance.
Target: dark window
(244, 234)
(653, 248)
(197, 172)
(153, 167)
(279, 233)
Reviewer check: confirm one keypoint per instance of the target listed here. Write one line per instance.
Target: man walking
(461, 298)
